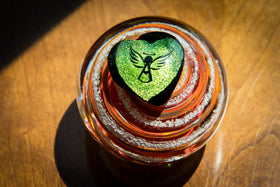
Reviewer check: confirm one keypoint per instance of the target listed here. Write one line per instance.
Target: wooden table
(43, 141)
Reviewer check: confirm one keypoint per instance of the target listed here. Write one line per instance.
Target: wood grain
(39, 85)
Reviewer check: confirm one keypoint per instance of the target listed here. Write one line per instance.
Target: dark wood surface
(43, 141)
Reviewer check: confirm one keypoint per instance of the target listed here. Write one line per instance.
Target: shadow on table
(82, 162)
(25, 21)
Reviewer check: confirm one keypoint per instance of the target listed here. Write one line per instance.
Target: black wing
(160, 61)
(136, 58)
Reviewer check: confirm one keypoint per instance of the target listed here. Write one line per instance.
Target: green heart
(150, 67)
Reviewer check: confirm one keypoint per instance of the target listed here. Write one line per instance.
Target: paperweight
(152, 90)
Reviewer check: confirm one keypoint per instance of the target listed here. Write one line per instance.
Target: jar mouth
(137, 130)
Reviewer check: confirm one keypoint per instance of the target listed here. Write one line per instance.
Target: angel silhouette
(147, 63)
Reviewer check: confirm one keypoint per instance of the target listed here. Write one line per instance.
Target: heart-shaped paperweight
(148, 67)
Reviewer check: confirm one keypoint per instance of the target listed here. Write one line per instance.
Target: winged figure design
(147, 64)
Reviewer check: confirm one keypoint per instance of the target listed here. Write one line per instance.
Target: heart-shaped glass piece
(148, 67)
